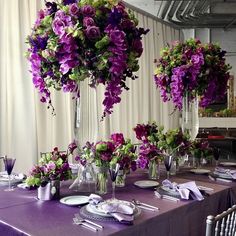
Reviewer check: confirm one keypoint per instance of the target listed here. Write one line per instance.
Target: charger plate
(86, 212)
(169, 191)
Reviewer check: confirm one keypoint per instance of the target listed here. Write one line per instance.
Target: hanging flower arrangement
(194, 68)
(73, 40)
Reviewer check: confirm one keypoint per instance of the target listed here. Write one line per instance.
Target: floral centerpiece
(52, 166)
(156, 144)
(200, 149)
(106, 153)
(194, 68)
(149, 153)
(74, 40)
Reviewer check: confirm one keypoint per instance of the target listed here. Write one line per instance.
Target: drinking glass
(9, 164)
(216, 154)
(168, 162)
(113, 173)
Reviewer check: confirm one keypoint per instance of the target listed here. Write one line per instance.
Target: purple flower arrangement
(200, 148)
(105, 153)
(192, 67)
(156, 143)
(52, 166)
(75, 40)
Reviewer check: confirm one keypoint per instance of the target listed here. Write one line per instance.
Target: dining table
(22, 213)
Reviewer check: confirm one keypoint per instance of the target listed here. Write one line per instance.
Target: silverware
(167, 197)
(78, 222)
(88, 221)
(144, 205)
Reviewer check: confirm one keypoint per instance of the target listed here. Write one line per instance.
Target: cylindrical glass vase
(101, 181)
(153, 169)
(120, 178)
(190, 117)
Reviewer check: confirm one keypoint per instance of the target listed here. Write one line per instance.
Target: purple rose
(58, 26)
(88, 10)
(92, 32)
(88, 21)
(117, 37)
(118, 138)
(137, 46)
(74, 9)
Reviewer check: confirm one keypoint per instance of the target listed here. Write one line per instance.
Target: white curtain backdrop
(28, 128)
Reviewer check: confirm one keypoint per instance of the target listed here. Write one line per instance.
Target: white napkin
(186, 190)
(122, 212)
(229, 172)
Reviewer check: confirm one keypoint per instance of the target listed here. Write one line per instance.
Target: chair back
(223, 224)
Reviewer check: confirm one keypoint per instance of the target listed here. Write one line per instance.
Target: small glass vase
(101, 181)
(120, 178)
(190, 116)
(153, 169)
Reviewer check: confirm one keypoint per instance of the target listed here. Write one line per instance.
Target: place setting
(175, 192)
(223, 174)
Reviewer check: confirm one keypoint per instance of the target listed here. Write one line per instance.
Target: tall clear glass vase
(190, 117)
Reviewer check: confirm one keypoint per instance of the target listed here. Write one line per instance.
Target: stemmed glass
(216, 154)
(113, 173)
(168, 162)
(9, 164)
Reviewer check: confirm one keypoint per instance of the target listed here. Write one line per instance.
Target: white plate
(23, 185)
(200, 171)
(228, 163)
(98, 209)
(146, 183)
(75, 200)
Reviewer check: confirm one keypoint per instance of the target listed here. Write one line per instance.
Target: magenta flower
(118, 138)
(74, 9)
(88, 21)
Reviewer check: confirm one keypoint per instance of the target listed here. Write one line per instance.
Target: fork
(79, 218)
(78, 222)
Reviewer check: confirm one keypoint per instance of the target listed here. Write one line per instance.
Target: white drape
(27, 127)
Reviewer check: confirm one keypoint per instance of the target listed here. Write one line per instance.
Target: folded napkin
(229, 172)
(186, 190)
(123, 213)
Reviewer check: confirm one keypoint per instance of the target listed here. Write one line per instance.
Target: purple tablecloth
(22, 214)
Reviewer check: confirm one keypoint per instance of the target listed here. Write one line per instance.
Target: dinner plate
(75, 200)
(98, 209)
(200, 171)
(146, 183)
(228, 163)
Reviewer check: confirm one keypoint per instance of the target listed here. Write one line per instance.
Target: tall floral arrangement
(193, 67)
(74, 40)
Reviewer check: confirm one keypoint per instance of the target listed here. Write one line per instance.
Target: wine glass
(9, 164)
(216, 154)
(113, 173)
(168, 162)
